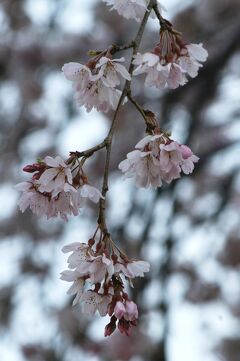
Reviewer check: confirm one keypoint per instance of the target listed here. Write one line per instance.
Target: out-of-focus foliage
(189, 231)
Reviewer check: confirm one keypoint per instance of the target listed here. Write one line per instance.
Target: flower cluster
(131, 9)
(170, 62)
(95, 83)
(157, 158)
(56, 188)
(99, 270)
(96, 271)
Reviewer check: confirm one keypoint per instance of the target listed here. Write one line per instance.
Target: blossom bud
(124, 326)
(131, 311)
(119, 310)
(110, 327)
(29, 169)
(36, 176)
(39, 166)
(186, 151)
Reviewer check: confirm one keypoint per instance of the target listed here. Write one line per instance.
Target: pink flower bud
(186, 151)
(36, 176)
(124, 326)
(131, 311)
(39, 166)
(29, 169)
(110, 328)
(119, 310)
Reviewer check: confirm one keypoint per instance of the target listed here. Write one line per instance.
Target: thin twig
(163, 22)
(116, 48)
(112, 49)
(89, 152)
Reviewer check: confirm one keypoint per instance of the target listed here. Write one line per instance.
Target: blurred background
(188, 231)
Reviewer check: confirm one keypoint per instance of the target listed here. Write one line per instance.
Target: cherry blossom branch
(59, 188)
(111, 49)
(109, 138)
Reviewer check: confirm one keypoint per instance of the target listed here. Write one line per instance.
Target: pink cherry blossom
(83, 265)
(97, 283)
(37, 202)
(132, 269)
(80, 253)
(187, 165)
(138, 268)
(94, 86)
(176, 77)
(77, 286)
(131, 313)
(97, 95)
(130, 9)
(97, 269)
(56, 178)
(51, 192)
(110, 70)
(119, 310)
(90, 192)
(157, 158)
(143, 167)
(162, 72)
(156, 73)
(75, 246)
(191, 57)
(79, 74)
(43, 204)
(188, 160)
(92, 302)
(170, 159)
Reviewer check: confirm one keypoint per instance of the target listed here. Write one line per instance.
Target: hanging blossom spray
(98, 269)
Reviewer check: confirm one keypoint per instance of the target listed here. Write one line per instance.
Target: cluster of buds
(124, 313)
(56, 188)
(157, 158)
(171, 60)
(98, 270)
(95, 83)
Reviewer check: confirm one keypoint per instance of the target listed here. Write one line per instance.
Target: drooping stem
(137, 106)
(165, 24)
(109, 138)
